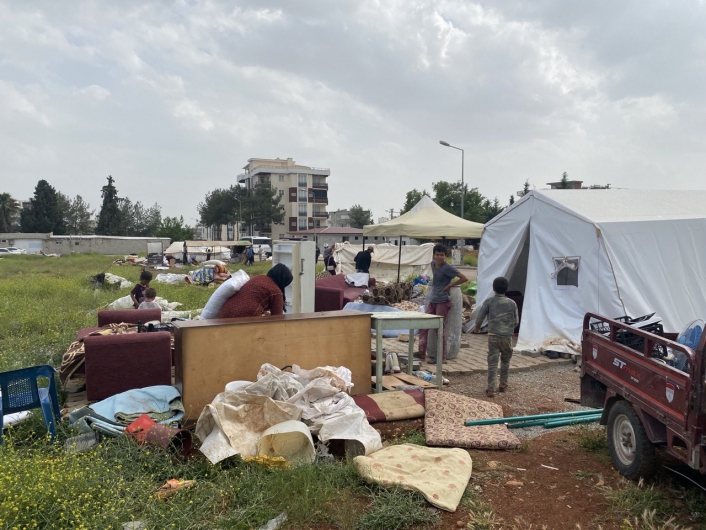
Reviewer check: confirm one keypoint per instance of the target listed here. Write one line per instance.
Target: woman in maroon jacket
(261, 295)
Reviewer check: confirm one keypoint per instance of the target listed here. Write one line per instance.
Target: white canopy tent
(612, 252)
(426, 220)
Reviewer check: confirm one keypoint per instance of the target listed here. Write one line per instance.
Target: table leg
(379, 361)
(410, 352)
(440, 354)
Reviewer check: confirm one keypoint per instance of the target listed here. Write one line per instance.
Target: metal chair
(20, 392)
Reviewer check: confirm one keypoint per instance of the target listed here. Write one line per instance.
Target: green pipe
(523, 424)
(572, 421)
(548, 417)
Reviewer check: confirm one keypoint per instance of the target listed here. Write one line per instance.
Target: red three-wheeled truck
(646, 402)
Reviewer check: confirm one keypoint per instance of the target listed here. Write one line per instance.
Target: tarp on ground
(611, 252)
(416, 259)
(426, 220)
(201, 247)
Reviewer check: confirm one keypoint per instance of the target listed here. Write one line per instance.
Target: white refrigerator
(299, 257)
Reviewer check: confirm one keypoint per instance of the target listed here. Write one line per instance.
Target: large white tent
(426, 220)
(612, 252)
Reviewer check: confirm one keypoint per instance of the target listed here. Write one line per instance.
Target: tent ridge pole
(399, 259)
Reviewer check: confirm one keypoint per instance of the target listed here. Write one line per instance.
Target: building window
(281, 178)
(302, 181)
(303, 195)
(302, 209)
(356, 238)
(302, 223)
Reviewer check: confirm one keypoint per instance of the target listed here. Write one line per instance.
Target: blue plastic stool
(20, 392)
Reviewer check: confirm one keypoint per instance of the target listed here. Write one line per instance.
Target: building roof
(24, 235)
(332, 231)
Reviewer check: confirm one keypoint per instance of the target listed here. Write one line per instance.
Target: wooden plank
(389, 382)
(207, 357)
(414, 380)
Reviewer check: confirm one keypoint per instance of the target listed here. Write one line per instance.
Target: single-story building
(51, 244)
(354, 236)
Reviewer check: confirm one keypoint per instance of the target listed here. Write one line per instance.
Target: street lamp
(463, 187)
(240, 216)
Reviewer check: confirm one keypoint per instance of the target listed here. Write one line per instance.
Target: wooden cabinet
(211, 353)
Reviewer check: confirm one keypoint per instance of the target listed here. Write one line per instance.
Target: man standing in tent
(502, 320)
(439, 302)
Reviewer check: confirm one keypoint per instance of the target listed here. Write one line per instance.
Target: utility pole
(392, 213)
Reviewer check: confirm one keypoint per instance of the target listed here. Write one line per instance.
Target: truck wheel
(631, 450)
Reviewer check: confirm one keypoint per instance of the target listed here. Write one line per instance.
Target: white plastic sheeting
(318, 397)
(638, 251)
(416, 259)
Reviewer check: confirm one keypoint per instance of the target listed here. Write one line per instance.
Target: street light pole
(463, 186)
(240, 217)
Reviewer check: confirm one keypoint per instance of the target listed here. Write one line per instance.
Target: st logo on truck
(624, 367)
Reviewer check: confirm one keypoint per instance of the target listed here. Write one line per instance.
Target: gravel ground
(534, 392)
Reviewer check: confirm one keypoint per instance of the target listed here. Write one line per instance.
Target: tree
(110, 218)
(175, 229)
(78, 217)
(9, 208)
(260, 204)
(526, 188)
(359, 217)
(43, 213)
(564, 184)
(412, 198)
(219, 208)
(512, 200)
(139, 221)
(491, 209)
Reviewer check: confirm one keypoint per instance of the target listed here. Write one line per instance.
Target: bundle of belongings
(278, 414)
(389, 294)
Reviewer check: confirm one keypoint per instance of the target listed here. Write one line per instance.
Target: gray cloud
(173, 98)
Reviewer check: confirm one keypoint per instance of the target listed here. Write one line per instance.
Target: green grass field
(43, 303)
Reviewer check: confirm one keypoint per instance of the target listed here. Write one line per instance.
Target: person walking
(502, 321)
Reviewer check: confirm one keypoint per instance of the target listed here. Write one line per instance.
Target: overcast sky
(172, 98)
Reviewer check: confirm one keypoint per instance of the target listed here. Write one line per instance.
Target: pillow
(227, 289)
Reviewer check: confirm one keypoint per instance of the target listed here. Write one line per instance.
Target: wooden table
(410, 320)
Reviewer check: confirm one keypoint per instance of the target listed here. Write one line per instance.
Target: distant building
(354, 236)
(575, 185)
(383, 220)
(339, 219)
(51, 244)
(303, 192)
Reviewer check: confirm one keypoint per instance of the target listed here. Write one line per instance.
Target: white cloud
(98, 93)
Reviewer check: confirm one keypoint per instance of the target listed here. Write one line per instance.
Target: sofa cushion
(116, 363)
(128, 316)
(332, 293)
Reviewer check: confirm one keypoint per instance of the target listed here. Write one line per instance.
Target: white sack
(173, 279)
(227, 289)
(235, 421)
(357, 279)
(122, 303)
(113, 279)
(290, 440)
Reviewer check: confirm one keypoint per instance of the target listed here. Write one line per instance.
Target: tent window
(566, 271)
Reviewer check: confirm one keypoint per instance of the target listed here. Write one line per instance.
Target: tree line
(50, 210)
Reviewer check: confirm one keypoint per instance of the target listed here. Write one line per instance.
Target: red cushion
(128, 316)
(116, 363)
(332, 293)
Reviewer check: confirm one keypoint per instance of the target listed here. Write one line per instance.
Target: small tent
(426, 220)
(613, 252)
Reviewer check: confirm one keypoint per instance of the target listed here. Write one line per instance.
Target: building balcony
(323, 200)
(323, 215)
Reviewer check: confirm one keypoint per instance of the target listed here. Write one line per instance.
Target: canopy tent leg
(399, 259)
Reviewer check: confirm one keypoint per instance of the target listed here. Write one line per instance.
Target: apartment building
(303, 192)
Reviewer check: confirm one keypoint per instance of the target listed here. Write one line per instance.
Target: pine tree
(110, 218)
(8, 210)
(43, 214)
